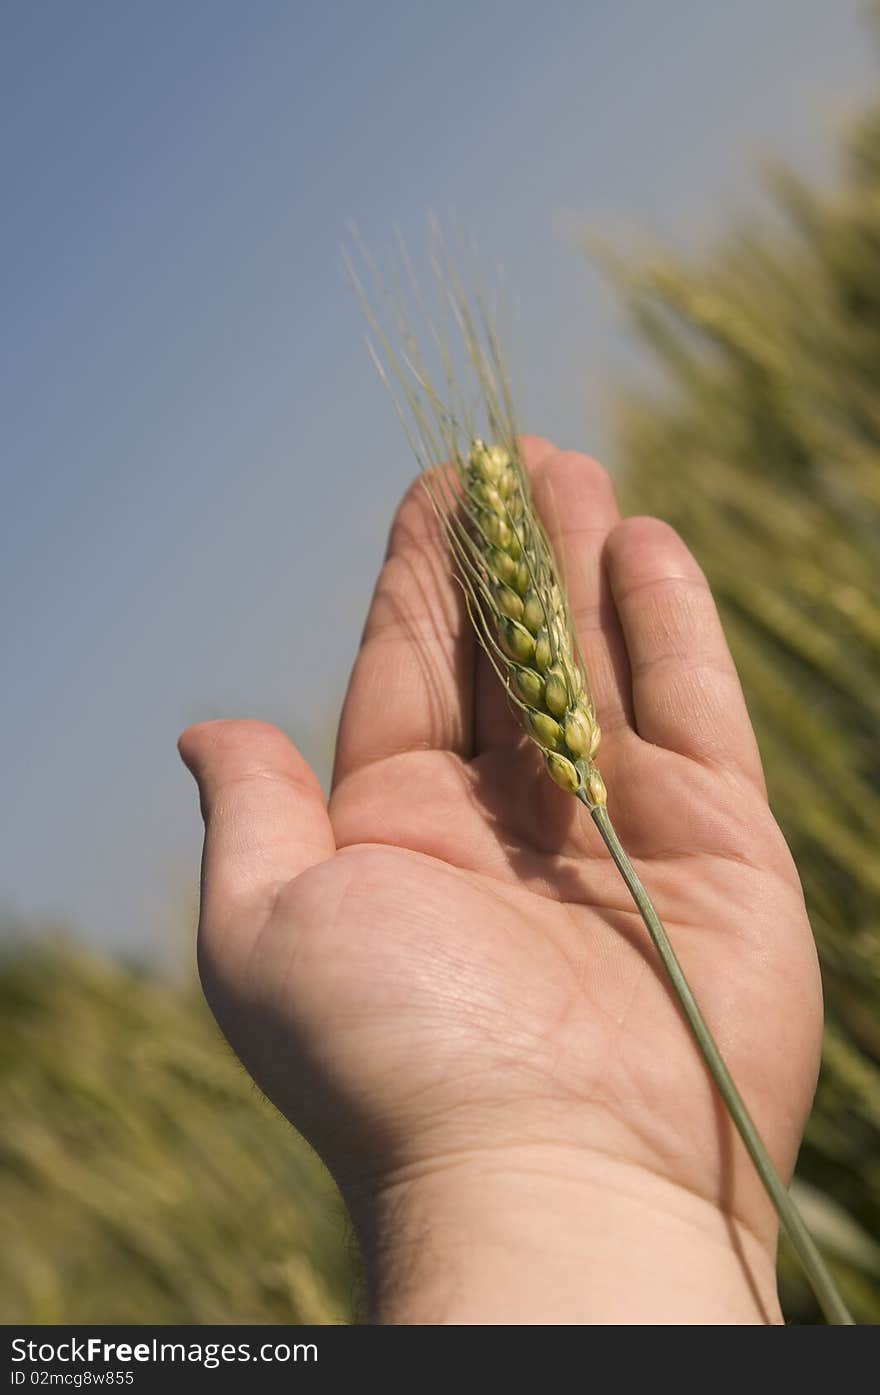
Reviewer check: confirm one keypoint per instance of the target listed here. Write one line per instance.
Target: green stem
(823, 1284)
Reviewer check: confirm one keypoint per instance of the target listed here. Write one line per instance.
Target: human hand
(442, 982)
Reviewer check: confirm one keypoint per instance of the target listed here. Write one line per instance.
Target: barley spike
(536, 655)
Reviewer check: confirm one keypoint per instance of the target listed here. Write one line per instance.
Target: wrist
(539, 1238)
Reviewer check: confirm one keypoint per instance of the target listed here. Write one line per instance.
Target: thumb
(265, 821)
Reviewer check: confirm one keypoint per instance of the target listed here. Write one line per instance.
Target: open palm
(447, 961)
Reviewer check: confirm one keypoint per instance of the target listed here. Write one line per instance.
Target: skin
(440, 979)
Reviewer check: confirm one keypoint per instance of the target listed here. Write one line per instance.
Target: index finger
(412, 683)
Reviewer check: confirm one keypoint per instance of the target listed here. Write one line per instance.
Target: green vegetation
(142, 1176)
(762, 447)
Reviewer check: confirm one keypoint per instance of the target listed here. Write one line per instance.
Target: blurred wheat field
(143, 1179)
(762, 447)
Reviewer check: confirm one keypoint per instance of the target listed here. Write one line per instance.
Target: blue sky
(198, 461)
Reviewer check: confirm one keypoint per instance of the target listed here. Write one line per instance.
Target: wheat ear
(517, 603)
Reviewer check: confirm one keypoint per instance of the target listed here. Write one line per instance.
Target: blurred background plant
(762, 447)
(142, 1177)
